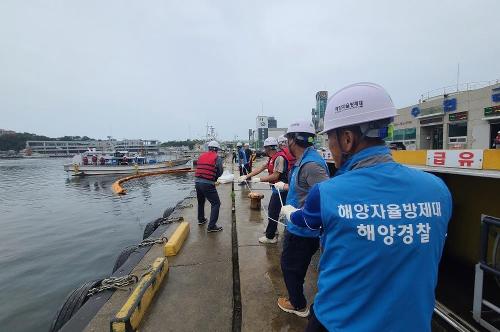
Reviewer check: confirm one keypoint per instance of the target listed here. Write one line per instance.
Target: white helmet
(214, 144)
(282, 140)
(301, 127)
(270, 141)
(239, 144)
(357, 104)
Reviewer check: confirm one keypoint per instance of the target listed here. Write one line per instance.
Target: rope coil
(150, 242)
(167, 221)
(114, 283)
(184, 206)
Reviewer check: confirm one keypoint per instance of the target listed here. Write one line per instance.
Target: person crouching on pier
(300, 244)
(209, 168)
(277, 167)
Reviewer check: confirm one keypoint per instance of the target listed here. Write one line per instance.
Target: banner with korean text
(471, 159)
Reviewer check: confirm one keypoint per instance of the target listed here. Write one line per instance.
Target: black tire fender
(74, 301)
(151, 227)
(123, 256)
(168, 212)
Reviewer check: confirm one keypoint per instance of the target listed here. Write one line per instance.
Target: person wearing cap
(300, 244)
(208, 169)
(248, 155)
(384, 224)
(277, 167)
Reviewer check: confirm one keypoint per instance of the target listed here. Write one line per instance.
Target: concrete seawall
(224, 281)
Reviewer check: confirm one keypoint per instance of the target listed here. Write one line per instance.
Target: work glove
(287, 210)
(280, 186)
(255, 180)
(242, 178)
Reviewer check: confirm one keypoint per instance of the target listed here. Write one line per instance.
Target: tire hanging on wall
(123, 256)
(151, 227)
(168, 212)
(74, 301)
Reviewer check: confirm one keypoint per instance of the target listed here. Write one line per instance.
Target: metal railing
(454, 89)
(487, 222)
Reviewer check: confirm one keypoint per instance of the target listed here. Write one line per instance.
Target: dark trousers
(273, 211)
(295, 259)
(206, 191)
(314, 325)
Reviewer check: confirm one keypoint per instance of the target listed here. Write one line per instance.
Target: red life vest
(206, 166)
(291, 159)
(270, 166)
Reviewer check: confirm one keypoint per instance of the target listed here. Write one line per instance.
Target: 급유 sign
(472, 159)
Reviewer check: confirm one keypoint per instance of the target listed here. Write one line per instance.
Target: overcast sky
(164, 69)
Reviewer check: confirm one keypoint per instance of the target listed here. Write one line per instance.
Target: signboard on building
(461, 116)
(492, 111)
(471, 159)
(262, 122)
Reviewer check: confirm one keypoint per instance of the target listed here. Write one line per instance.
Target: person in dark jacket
(242, 160)
(209, 169)
(248, 155)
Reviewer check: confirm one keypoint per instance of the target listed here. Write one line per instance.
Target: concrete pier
(202, 291)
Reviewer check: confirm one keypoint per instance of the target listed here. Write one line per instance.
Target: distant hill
(190, 143)
(17, 141)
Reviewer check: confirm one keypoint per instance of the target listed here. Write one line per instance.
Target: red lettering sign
(439, 158)
(465, 159)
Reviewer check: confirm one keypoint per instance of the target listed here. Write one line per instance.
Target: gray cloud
(163, 69)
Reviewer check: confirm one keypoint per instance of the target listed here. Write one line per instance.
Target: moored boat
(119, 162)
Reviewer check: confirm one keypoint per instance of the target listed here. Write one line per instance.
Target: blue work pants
(273, 212)
(207, 191)
(295, 260)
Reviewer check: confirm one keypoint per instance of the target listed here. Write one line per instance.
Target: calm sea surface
(57, 231)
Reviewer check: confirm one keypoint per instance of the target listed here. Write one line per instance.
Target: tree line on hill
(189, 143)
(17, 141)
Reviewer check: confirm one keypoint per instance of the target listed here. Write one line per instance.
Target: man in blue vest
(300, 244)
(242, 160)
(208, 169)
(384, 224)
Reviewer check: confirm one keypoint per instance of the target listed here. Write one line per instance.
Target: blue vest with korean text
(310, 156)
(384, 228)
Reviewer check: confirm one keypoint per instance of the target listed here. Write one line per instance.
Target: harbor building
(318, 113)
(70, 148)
(456, 117)
(263, 124)
(276, 132)
(6, 132)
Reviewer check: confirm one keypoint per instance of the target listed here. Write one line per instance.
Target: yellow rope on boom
(118, 189)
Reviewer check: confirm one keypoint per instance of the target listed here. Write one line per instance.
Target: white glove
(280, 186)
(255, 180)
(287, 210)
(242, 178)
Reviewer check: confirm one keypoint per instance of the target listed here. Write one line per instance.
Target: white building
(451, 118)
(69, 148)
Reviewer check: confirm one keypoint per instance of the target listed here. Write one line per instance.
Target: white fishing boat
(120, 162)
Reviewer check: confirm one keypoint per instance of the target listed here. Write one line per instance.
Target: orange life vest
(270, 166)
(291, 159)
(206, 166)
